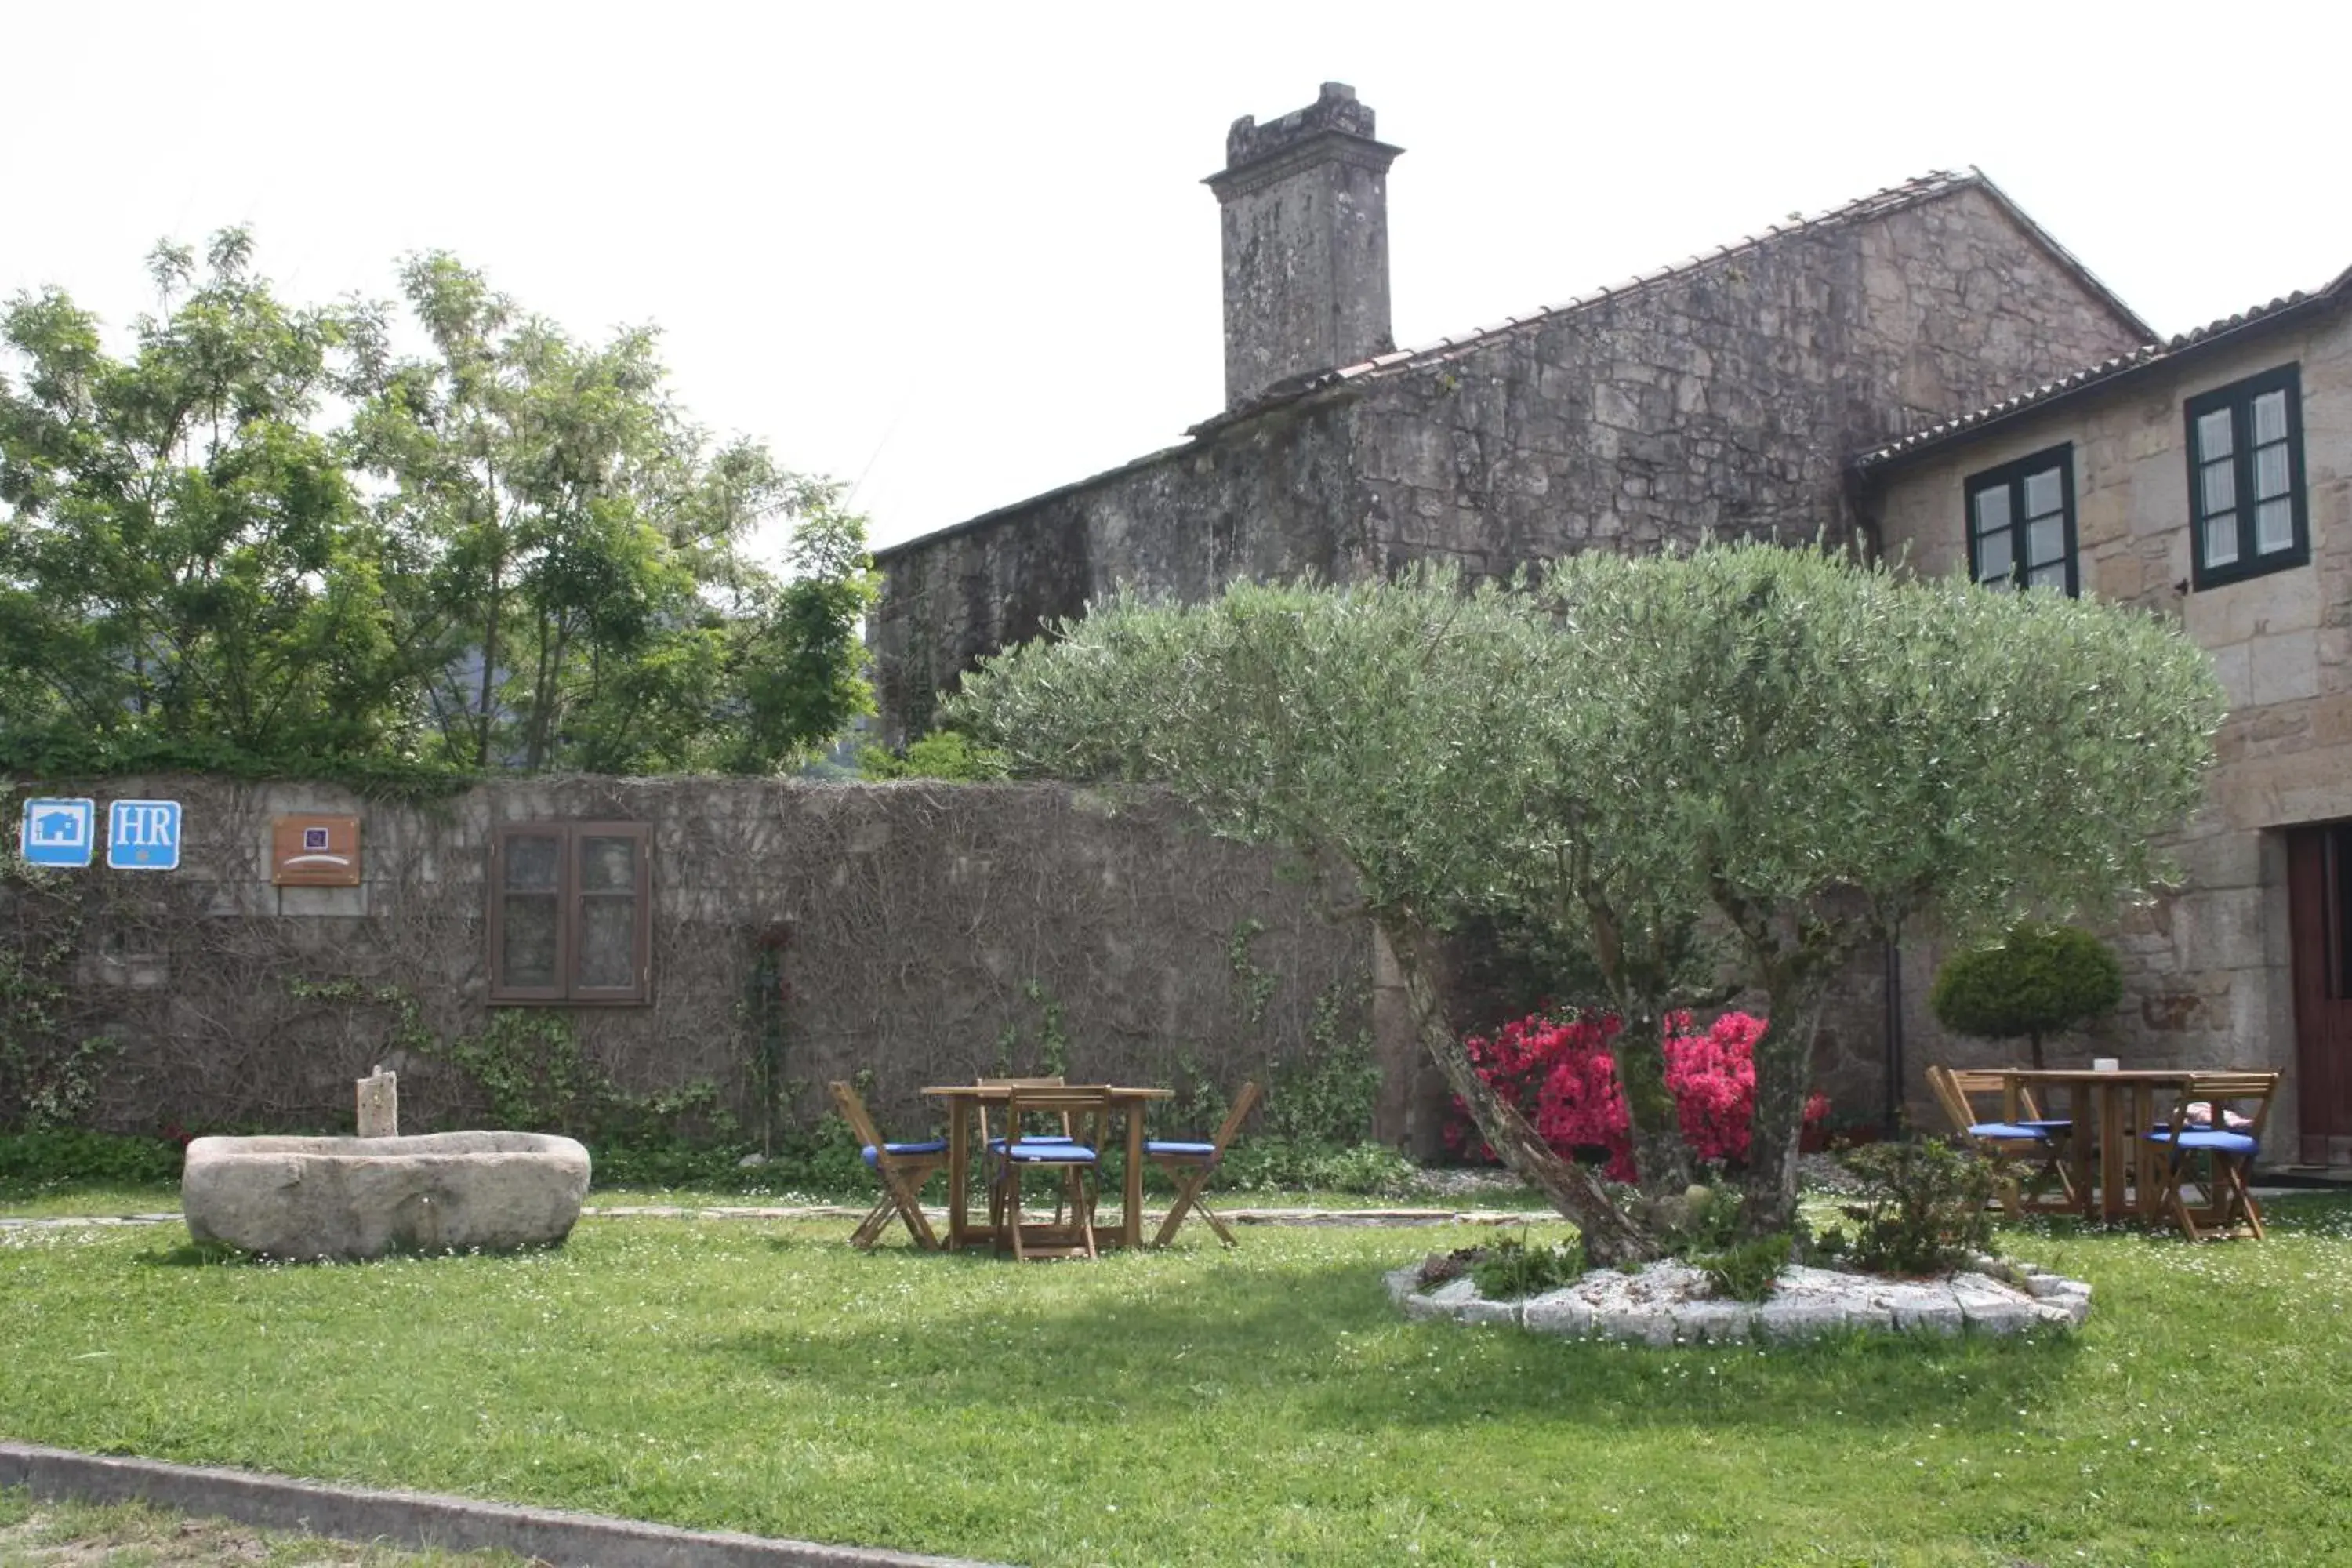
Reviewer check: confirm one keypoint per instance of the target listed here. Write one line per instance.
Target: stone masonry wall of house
(2208, 973)
(1724, 396)
(935, 933)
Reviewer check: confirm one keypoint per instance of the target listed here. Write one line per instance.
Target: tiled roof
(1926, 187)
(2146, 354)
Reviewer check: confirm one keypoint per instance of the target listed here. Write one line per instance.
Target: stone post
(379, 1114)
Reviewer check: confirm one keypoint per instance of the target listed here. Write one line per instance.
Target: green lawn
(1198, 1406)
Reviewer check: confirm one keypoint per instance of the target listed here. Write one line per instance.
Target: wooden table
(2121, 1107)
(962, 1098)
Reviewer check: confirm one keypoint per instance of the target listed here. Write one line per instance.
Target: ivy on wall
(912, 932)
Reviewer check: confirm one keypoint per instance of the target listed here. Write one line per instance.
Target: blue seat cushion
(2027, 1131)
(2046, 1124)
(1195, 1150)
(2235, 1143)
(930, 1146)
(1039, 1152)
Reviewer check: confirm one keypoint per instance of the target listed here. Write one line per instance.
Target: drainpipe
(1893, 1111)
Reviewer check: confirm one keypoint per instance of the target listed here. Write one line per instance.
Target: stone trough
(365, 1197)
(1668, 1303)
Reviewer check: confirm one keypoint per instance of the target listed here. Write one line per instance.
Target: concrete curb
(422, 1519)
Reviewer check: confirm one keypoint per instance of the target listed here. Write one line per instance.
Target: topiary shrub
(2037, 980)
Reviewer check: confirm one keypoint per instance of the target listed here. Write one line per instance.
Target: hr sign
(142, 835)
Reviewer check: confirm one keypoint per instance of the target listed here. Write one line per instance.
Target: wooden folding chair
(1053, 1082)
(2228, 1138)
(989, 1144)
(904, 1168)
(1073, 1156)
(2033, 1139)
(1191, 1163)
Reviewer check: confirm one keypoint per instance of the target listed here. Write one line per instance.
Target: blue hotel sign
(142, 835)
(59, 832)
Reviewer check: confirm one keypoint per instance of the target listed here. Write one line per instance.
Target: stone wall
(933, 931)
(1265, 499)
(2207, 967)
(1725, 395)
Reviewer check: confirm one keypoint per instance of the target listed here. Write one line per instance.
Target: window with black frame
(2246, 479)
(2021, 522)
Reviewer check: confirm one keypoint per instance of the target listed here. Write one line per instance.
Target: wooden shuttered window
(571, 913)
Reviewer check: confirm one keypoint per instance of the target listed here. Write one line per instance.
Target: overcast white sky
(959, 254)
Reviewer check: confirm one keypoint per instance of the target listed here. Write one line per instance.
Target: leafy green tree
(578, 545)
(1799, 752)
(942, 754)
(2036, 980)
(183, 561)
(515, 552)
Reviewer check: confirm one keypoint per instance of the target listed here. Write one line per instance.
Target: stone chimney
(1306, 213)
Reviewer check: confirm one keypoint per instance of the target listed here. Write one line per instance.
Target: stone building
(1813, 379)
(2209, 480)
(1728, 392)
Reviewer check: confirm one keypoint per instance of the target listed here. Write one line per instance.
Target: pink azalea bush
(1557, 1070)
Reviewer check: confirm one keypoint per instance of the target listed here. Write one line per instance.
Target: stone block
(1800, 1318)
(1481, 1310)
(2275, 603)
(2117, 574)
(1714, 1323)
(364, 1197)
(1992, 1305)
(2071, 1307)
(1922, 1308)
(2219, 860)
(2233, 666)
(1562, 1312)
(2284, 666)
(1446, 1301)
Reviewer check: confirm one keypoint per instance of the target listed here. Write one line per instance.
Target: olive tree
(1828, 752)
(1801, 751)
(1378, 730)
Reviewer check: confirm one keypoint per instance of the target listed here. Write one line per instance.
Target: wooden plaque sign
(315, 851)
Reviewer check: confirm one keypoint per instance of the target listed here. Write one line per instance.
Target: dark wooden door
(2319, 895)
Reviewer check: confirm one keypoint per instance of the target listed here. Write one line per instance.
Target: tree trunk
(1662, 1156)
(1609, 1236)
(1784, 1075)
